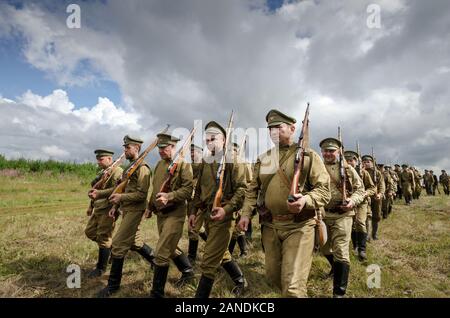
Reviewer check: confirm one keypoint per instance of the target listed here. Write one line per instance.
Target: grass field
(42, 220)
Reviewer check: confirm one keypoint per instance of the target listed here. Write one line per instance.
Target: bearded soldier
(376, 199)
(339, 212)
(218, 220)
(359, 229)
(100, 226)
(169, 205)
(288, 228)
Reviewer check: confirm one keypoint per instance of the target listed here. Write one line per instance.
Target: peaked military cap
(404, 165)
(132, 140)
(387, 167)
(103, 153)
(165, 139)
(397, 165)
(193, 146)
(367, 157)
(214, 128)
(330, 143)
(275, 118)
(349, 154)
(380, 165)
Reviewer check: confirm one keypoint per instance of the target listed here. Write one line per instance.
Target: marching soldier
(444, 180)
(435, 183)
(375, 201)
(132, 204)
(395, 180)
(195, 232)
(387, 200)
(288, 229)
(218, 221)
(339, 214)
(417, 188)
(398, 171)
(359, 229)
(408, 183)
(100, 226)
(238, 235)
(170, 210)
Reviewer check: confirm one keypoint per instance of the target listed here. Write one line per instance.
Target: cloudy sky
(134, 66)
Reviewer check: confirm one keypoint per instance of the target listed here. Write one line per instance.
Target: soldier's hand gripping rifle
(122, 184)
(178, 158)
(217, 203)
(101, 181)
(294, 193)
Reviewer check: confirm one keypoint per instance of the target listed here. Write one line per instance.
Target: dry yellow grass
(42, 220)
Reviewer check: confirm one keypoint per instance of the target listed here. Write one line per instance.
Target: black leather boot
(115, 276)
(103, 256)
(374, 230)
(147, 253)
(185, 267)
(361, 238)
(330, 260)
(232, 245)
(242, 245)
(340, 280)
(204, 287)
(159, 281)
(234, 271)
(192, 251)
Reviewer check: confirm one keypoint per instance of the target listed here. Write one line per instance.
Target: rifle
(101, 180)
(241, 155)
(122, 184)
(375, 172)
(221, 169)
(303, 142)
(342, 164)
(359, 158)
(165, 187)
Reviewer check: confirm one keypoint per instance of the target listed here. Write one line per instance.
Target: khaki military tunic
(387, 200)
(339, 224)
(219, 232)
(418, 187)
(444, 180)
(132, 206)
(376, 205)
(359, 224)
(170, 222)
(288, 242)
(248, 178)
(100, 226)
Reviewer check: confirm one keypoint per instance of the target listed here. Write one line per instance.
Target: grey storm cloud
(192, 60)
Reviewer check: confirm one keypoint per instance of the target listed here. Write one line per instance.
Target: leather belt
(336, 210)
(300, 217)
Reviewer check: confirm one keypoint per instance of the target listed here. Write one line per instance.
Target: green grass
(42, 221)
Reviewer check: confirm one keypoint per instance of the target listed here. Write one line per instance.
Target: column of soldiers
(352, 201)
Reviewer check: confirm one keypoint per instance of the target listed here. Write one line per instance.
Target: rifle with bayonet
(122, 184)
(100, 181)
(221, 169)
(165, 187)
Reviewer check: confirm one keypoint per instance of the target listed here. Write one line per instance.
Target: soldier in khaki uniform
(218, 221)
(444, 180)
(132, 204)
(435, 183)
(428, 182)
(418, 187)
(287, 229)
(408, 183)
(239, 235)
(359, 229)
(100, 226)
(398, 171)
(195, 233)
(170, 209)
(386, 203)
(339, 214)
(395, 180)
(376, 199)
